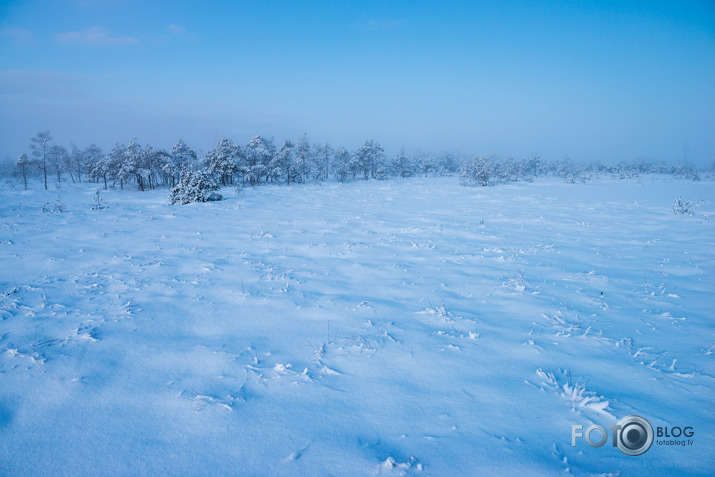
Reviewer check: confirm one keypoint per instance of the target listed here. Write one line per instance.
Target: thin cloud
(18, 36)
(177, 32)
(95, 36)
(176, 29)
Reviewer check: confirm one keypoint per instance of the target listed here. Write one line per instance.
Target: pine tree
(194, 186)
(259, 153)
(446, 164)
(115, 169)
(92, 156)
(131, 163)
(477, 172)
(100, 169)
(183, 157)
(78, 160)
(369, 157)
(341, 164)
(283, 163)
(322, 159)
(221, 161)
(57, 158)
(303, 156)
(152, 165)
(424, 163)
(401, 166)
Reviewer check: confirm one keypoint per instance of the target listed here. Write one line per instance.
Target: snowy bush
(195, 186)
(686, 171)
(687, 207)
(58, 207)
(477, 172)
(683, 207)
(585, 177)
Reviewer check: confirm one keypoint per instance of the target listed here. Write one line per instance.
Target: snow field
(400, 327)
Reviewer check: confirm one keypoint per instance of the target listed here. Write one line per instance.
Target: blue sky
(594, 80)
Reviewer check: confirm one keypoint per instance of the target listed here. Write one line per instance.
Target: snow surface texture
(412, 327)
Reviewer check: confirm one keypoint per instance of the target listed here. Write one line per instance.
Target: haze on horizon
(607, 81)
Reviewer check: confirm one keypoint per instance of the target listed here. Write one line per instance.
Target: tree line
(262, 161)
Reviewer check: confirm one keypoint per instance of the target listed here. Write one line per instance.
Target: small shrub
(195, 186)
(98, 203)
(58, 207)
(683, 207)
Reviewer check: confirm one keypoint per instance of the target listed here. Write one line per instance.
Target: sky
(595, 81)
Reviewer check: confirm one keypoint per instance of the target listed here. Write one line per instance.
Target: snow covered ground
(411, 327)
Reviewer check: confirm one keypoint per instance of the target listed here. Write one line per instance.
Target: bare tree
(22, 161)
(58, 157)
(40, 149)
(75, 160)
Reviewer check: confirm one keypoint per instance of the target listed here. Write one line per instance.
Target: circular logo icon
(635, 436)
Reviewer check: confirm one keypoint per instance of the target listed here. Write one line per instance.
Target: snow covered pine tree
(196, 186)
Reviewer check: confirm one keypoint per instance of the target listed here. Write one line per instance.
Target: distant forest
(261, 161)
